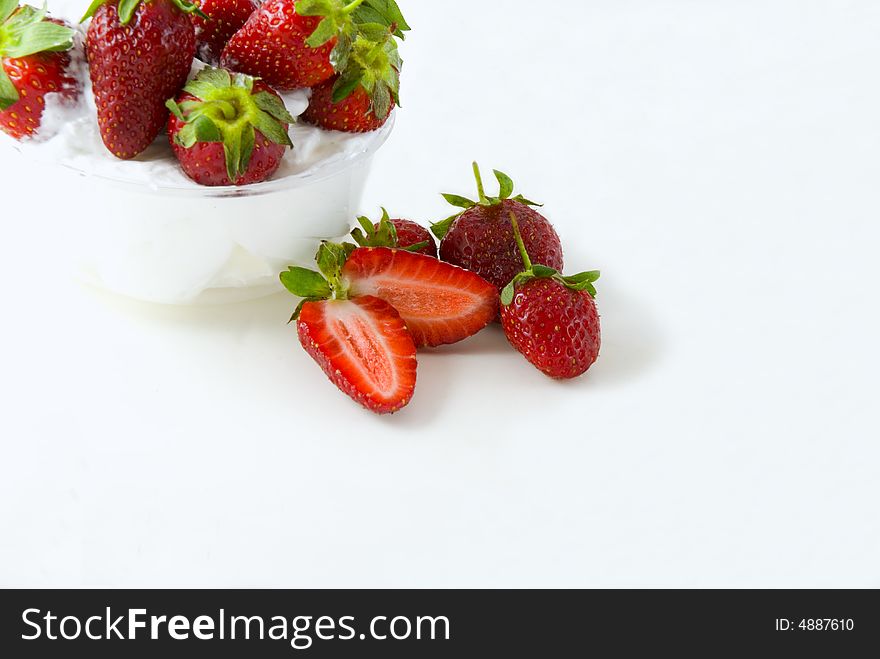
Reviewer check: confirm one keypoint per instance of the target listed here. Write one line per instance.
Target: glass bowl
(188, 245)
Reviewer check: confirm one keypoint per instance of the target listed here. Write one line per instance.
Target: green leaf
(248, 138)
(314, 7)
(508, 294)
(418, 247)
(8, 93)
(174, 108)
(36, 36)
(190, 8)
(6, 9)
(331, 257)
(505, 183)
(375, 32)
(341, 53)
(186, 137)
(207, 82)
(127, 9)
(205, 130)
(525, 201)
(91, 10)
(583, 281)
(271, 128)
(386, 12)
(232, 151)
(273, 106)
(543, 272)
(440, 229)
(326, 30)
(306, 283)
(591, 276)
(381, 101)
(458, 201)
(347, 83)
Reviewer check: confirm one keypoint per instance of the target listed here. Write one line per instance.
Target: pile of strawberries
(227, 126)
(375, 302)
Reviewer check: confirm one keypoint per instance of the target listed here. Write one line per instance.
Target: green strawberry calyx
(581, 282)
(383, 234)
(126, 9)
(365, 54)
(505, 192)
(328, 284)
(26, 31)
(374, 65)
(227, 110)
(342, 20)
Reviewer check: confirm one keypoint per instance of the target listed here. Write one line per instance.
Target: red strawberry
(224, 18)
(140, 53)
(401, 234)
(361, 97)
(481, 237)
(228, 129)
(440, 303)
(293, 44)
(552, 320)
(364, 348)
(354, 113)
(35, 63)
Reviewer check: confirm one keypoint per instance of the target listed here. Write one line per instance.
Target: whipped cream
(69, 134)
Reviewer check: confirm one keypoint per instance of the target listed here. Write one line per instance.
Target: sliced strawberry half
(364, 348)
(440, 303)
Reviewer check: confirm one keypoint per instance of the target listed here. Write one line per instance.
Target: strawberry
(353, 114)
(293, 44)
(440, 303)
(224, 18)
(362, 343)
(480, 238)
(552, 320)
(361, 97)
(35, 63)
(228, 129)
(363, 347)
(140, 53)
(400, 234)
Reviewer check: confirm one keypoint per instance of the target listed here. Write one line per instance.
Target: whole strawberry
(400, 234)
(140, 53)
(223, 19)
(293, 44)
(35, 63)
(228, 129)
(481, 237)
(360, 99)
(551, 319)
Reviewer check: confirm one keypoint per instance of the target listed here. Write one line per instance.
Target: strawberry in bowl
(228, 129)
(34, 64)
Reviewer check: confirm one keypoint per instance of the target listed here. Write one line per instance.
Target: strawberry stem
(480, 189)
(527, 262)
(351, 7)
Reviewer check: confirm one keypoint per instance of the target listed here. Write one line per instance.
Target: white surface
(717, 160)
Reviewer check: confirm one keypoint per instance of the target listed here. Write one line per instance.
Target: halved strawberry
(441, 303)
(364, 348)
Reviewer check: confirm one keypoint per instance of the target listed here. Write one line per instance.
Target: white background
(717, 160)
